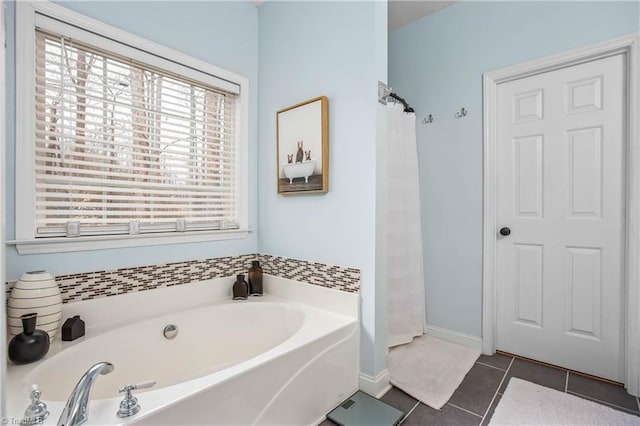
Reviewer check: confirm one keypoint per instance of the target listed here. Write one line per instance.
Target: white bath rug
(430, 369)
(525, 403)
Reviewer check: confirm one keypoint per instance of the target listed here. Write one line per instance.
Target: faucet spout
(76, 410)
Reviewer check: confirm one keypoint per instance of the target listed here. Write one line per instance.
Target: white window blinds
(122, 147)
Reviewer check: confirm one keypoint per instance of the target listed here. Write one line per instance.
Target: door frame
(629, 46)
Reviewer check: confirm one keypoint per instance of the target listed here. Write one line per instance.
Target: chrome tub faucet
(76, 410)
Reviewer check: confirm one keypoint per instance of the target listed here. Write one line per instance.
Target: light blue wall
(380, 292)
(437, 64)
(308, 49)
(223, 33)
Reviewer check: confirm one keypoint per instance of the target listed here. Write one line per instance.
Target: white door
(561, 194)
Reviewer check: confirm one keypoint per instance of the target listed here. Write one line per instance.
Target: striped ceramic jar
(37, 292)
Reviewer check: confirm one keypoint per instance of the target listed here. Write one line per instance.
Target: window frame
(89, 30)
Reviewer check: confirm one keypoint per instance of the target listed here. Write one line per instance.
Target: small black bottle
(240, 288)
(72, 328)
(255, 279)
(30, 345)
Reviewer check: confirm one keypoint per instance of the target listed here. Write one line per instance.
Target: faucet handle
(144, 385)
(37, 411)
(129, 405)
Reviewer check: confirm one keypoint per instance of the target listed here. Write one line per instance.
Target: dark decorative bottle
(255, 279)
(72, 329)
(30, 345)
(240, 288)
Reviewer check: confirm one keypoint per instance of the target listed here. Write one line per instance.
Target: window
(121, 147)
(125, 142)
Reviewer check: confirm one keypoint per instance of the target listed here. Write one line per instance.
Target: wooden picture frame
(302, 147)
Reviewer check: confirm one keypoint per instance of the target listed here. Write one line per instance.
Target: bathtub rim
(141, 305)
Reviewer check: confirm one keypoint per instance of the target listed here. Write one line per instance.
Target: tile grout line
(464, 409)
(499, 386)
(566, 383)
(492, 366)
(409, 413)
(609, 404)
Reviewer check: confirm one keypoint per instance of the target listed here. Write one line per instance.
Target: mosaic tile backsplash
(93, 285)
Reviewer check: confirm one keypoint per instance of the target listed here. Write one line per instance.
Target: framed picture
(303, 147)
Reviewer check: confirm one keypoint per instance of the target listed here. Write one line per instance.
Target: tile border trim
(97, 284)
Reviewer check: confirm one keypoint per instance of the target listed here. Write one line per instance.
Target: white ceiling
(401, 12)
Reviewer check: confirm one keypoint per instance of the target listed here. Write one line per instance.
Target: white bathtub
(299, 170)
(261, 361)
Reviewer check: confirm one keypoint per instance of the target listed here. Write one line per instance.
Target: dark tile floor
(480, 391)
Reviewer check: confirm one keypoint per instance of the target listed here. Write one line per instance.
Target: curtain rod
(385, 92)
(407, 108)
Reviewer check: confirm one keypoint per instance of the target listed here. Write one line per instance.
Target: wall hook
(428, 119)
(461, 113)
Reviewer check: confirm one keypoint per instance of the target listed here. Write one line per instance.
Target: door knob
(505, 231)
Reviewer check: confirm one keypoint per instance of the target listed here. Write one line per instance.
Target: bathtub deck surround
(98, 284)
(306, 348)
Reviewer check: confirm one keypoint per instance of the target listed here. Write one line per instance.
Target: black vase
(255, 279)
(240, 288)
(30, 345)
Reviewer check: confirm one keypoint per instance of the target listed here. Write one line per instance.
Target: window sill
(101, 242)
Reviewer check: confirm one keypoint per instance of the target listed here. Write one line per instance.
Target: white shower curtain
(405, 278)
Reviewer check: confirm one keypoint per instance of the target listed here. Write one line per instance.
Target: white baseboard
(375, 386)
(468, 340)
